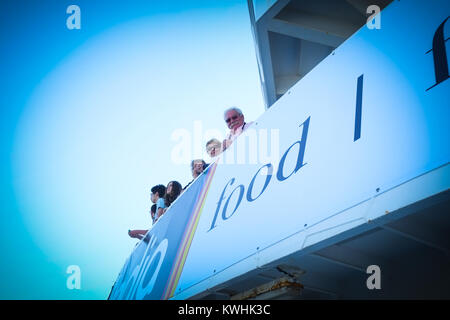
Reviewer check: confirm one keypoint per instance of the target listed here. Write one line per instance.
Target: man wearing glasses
(234, 119)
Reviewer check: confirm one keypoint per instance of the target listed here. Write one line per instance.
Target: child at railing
(157, 195)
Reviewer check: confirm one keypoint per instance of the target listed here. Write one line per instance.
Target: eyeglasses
(229, 119)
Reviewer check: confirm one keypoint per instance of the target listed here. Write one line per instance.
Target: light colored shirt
(234, 134)
(159, 204)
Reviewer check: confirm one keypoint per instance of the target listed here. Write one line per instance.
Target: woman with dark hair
(172, 192)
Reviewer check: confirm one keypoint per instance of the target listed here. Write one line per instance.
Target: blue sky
(89, 123)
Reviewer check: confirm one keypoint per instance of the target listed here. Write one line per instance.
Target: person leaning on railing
(197, 167)
(139, 234)
(234, 118)
(172, 192)
(157, 197)
(213, 148)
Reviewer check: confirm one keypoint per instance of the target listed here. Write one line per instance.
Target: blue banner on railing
(154, 268)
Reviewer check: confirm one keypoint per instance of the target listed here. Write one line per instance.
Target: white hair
(232, 109)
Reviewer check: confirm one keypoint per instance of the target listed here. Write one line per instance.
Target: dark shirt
(204, 169)
(188, 184)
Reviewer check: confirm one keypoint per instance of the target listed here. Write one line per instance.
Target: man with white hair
(234, 118)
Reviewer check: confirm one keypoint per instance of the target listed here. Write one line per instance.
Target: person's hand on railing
(225, 144)
(138, 234)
